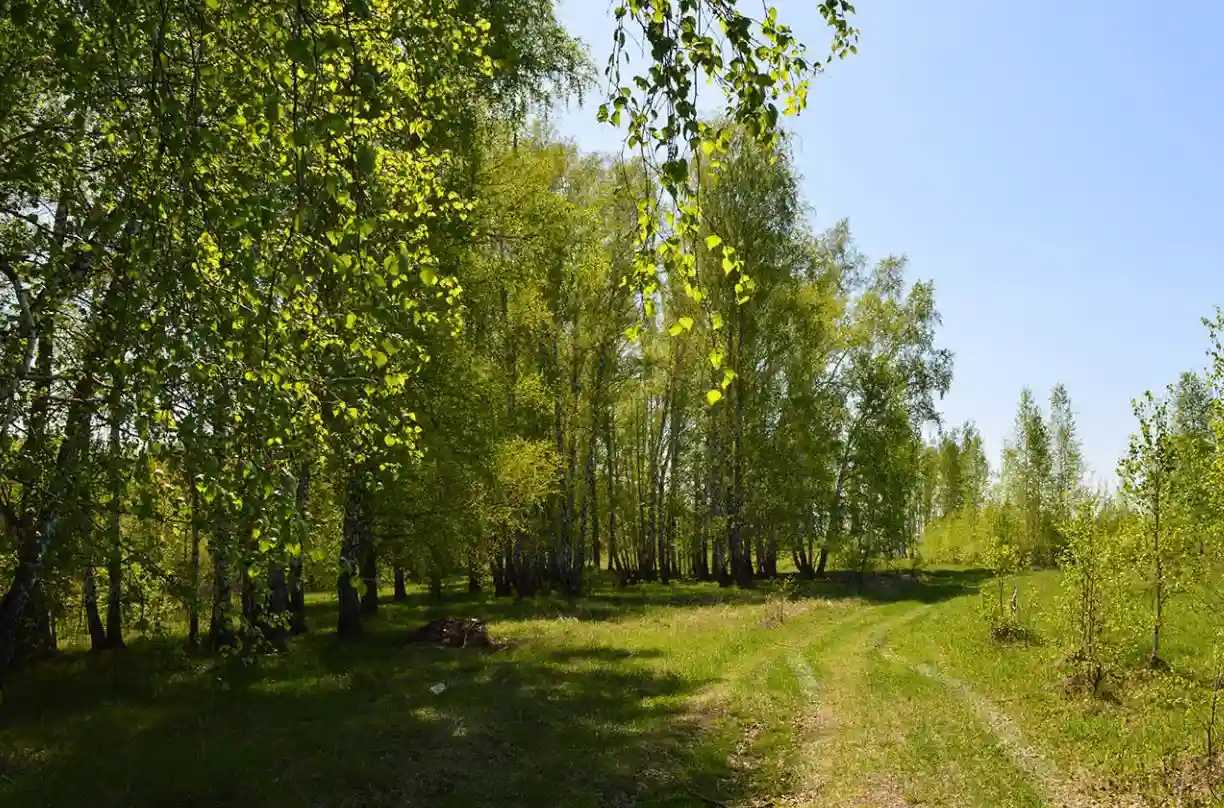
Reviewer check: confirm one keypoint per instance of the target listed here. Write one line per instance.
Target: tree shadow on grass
(607, 601)
(358, 725)
(924, 586)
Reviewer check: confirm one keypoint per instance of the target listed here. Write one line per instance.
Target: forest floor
(885, 694)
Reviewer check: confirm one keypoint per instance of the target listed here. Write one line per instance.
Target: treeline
(582, 429)
(968, 510)
(1125, 550)
(297, 298)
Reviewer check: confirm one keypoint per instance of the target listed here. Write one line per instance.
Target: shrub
(1093, 607)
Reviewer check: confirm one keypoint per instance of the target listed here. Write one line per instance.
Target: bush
(1093, 607)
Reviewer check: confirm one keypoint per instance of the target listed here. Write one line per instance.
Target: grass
(1124, 744)
(885, 694)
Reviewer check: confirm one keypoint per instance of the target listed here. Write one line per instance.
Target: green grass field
(886, 695)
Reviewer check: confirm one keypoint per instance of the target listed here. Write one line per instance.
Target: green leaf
(350, 320)
(380, 358)
(366, 158)
(713, 241)
(686, 323)
(428, 276)
(713, 396)
(300, 51)
(716, 358)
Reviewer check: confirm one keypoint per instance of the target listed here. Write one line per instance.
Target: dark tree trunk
(24, 621)
(824, 559)
(592, 496)
(740, 549)
(277, 618)
(722, 569)
(297, 597)
(97, 633)
(804, 550)
(36, 629)
(349, 624)
(114, 534)
(297, 582)
(38, 529)
(37, 539)
(220, 628)
(247, 596)
(114, 602)
(193, 627)
(369, 575)
(767, 555)
(221, 544)
(474, 582)
(701, 550)
(528, 570)
(702, 572)
(592, 502)
(501, 567)
(610, 443)
(587, 510)
(401, 590)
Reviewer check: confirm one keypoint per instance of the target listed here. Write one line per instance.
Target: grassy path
(880, 732)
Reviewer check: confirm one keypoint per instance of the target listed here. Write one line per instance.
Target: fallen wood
(454, 632)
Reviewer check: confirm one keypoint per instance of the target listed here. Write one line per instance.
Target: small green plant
(781, 594)
(1084, 597)
(1001, 601)
(1094, 608)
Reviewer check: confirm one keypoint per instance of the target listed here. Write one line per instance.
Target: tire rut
(1055, 787)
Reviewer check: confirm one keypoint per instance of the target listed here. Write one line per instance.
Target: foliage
(754, 64)
(1148, 473)
(266, 262)
(1000, 600)
(1095, 606)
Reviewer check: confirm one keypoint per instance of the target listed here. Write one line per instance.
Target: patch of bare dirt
(741, 758)
(454, 632)
(811, 723)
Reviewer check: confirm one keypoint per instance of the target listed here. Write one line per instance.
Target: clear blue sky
(1056, 167)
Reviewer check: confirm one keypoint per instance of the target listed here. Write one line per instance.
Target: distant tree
(951, 474)
(974, 468)
(1027, 471)
(1194, 486)
(1066, 461)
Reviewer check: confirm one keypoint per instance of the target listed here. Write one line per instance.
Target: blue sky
(1056, 167)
